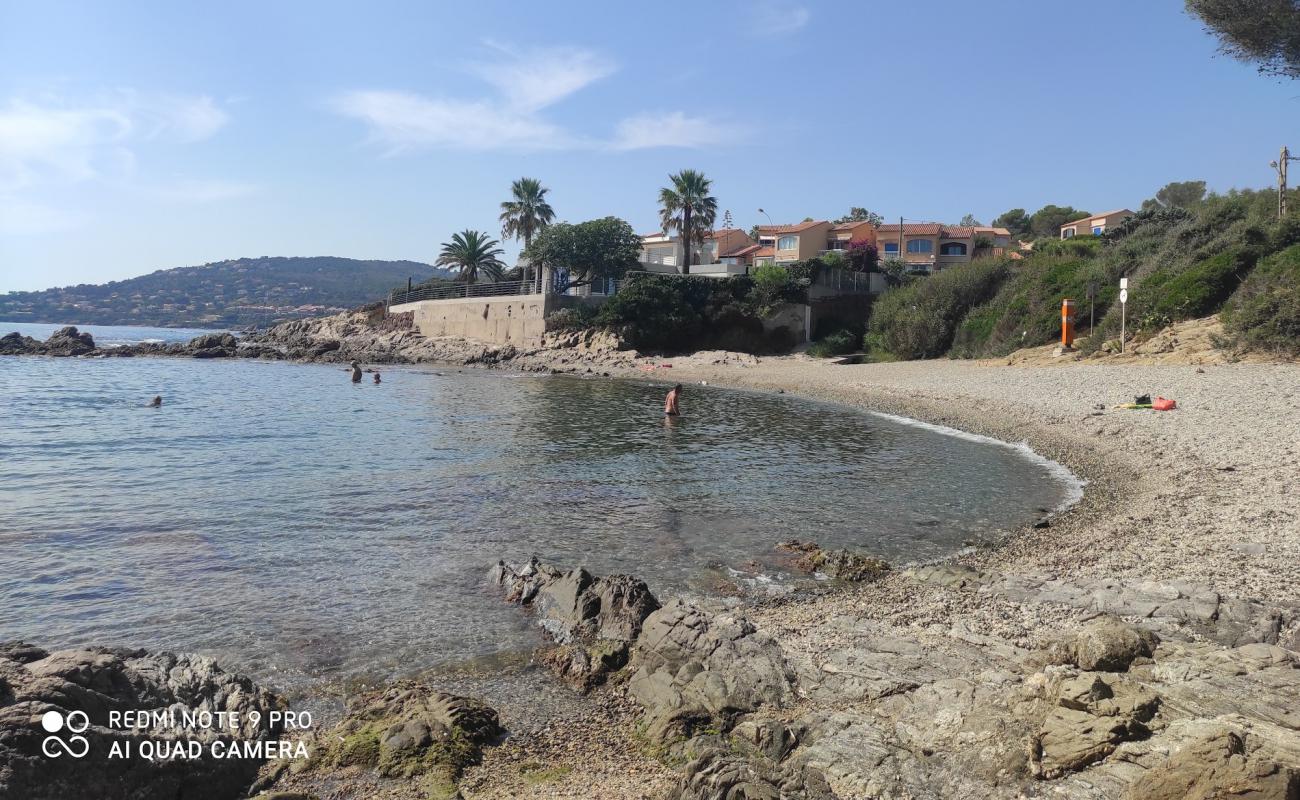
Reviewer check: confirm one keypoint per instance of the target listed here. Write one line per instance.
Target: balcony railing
(498, 289)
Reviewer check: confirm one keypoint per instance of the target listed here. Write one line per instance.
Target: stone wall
(516, 319)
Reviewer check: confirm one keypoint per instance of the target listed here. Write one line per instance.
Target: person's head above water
(678, 388)
(156, 401)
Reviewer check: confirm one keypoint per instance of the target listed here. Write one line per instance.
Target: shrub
(677, 313)
(1165, 296)
(772, 284)
(836, 344)
(919, 320)
(574, 318)
(653, 314)
(1265, 311)
(1076, 246)
(863, 256)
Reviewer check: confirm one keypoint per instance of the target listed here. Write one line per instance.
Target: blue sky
(144, 135)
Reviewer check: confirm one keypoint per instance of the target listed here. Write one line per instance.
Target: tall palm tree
(688, 208)
(527, 213)
(471, 253)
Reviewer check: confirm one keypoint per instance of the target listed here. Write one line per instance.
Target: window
(787, 243)
(920, 246)
(1067, 233)
(952, 249)
(891, 247)
(1098, 230)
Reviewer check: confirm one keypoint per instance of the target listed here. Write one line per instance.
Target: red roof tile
(800, 226)
(848, 226)
(743, 251)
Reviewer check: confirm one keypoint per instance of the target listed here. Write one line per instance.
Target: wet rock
(69, 342)
(839, 563)
(408, 730)
(694, 669)
(593, 619)
(98, 680)
(1104, 645)
(213, 345)
(15, 344)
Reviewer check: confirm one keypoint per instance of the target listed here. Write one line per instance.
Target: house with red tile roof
(810, 238)
(927, 246)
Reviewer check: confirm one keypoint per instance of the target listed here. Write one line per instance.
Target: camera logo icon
(74, 723)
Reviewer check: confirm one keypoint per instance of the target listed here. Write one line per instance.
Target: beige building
(661, 252)
(785, 243)
(1094, 225)
(927, 246)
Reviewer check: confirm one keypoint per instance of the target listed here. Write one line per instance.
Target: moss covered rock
(410, 730)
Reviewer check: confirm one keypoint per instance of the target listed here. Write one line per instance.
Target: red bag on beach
(1162, 404)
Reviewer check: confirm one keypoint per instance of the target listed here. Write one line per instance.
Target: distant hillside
(236, 294)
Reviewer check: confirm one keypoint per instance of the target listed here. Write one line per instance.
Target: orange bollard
(1067, 323)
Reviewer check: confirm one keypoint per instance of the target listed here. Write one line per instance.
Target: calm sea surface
(106, 335)
(304, 528)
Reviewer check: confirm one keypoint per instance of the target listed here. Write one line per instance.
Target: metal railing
(498, 289)
(843, 280)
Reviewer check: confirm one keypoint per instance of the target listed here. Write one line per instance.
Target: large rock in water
(34, 682)
(69, 342)
(592, 620)
(15, 344)
(213, 345)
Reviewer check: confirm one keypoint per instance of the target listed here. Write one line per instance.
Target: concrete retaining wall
(516, 319)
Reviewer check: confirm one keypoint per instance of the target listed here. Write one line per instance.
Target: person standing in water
(356, 372)
(670, 402)
(377, 376)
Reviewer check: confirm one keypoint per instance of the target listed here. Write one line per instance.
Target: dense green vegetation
(236, 293)
(1181, 262)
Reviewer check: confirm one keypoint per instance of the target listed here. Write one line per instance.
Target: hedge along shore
(1187, 526)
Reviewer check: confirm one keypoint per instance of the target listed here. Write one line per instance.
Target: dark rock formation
(15, 344)
(592, 620)
(213, 345)
(69, 342)
(96, 681)
(409, 730)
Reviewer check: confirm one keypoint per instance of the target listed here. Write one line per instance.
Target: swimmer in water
(356, 372)
(670, 402)
(156, 402)
(377, 376)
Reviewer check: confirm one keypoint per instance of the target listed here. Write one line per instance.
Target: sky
(147, 135)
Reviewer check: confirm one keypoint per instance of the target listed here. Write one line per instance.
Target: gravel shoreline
(1200, 497)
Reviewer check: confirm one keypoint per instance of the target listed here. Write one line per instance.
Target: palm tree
(472, 252)
(688, 208)
(527, 213)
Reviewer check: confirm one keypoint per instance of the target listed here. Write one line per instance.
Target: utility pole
(900, 239)
(1280, 166)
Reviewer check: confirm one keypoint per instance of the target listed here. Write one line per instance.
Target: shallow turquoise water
(304, 528)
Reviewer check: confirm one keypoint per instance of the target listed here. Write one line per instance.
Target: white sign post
(1123, 310)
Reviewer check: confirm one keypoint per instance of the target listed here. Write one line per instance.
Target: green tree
(1179, 194)
(859, 214)
(1015, 220)
(527, 212)
(588, 251)
(1047, 221)
(470, 253)
(969, 221)
(688, 208)
(1265, 32)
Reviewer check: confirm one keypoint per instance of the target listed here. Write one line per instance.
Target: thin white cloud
(403, 121)
(530, 80)
(772, 18)
(526, 83)
(673, 129)
(52, 139)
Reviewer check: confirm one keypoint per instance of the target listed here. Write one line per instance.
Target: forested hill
(236, 294)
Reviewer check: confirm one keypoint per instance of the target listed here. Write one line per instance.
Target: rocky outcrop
(15, 344)
(1091, 716)
(69, 342)
(97, 681)
(407, 730)
(1218, 760)
(693, 669)
(1106, 644)
(592, 620)
(839, 563)
(213, 345)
